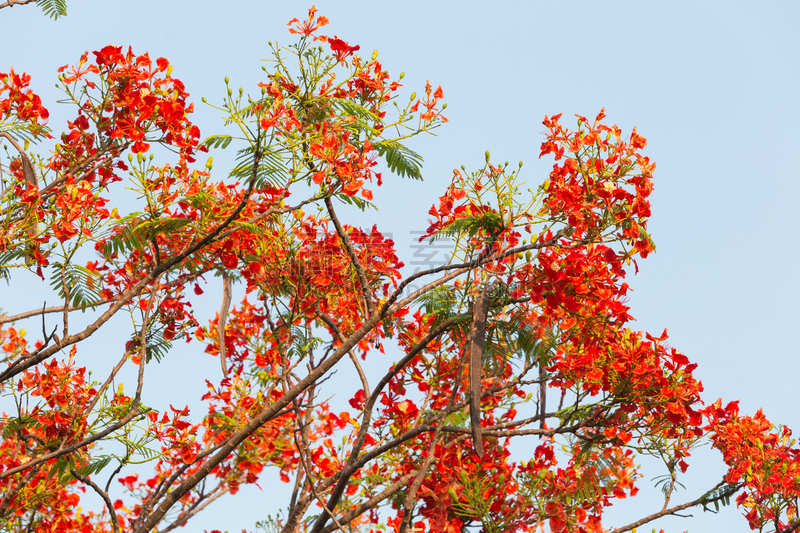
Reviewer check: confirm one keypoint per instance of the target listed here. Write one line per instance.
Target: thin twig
(43, 310)
(103, 494)
(348, 246)
(677, 508)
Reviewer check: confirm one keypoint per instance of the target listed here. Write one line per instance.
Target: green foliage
(134, 234)
(218, 141)
(721, 495)
(518, 339)
(53, 8)
(491, 223)
(95, 466)
(25, 132)
(14, 257)
(666, 481)
(301, 343)
(78, 281)
(271, 167)
(364, 117)
(476, 500)
(360, 203)
(458, 418)
(441, 301)
(14, 425)
(400, 160)
(156, 345)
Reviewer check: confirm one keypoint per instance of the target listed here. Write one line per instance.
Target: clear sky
(713, 85)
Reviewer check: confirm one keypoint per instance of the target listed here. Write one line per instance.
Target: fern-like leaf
(134, 234)
(95, 466)
(400, 160)
(53, 8)
(79, 281)
(218, 141)
(271, 168)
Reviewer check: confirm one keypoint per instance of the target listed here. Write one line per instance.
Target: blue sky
(712, 85)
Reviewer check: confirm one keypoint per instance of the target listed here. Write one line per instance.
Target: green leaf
(218, 141)
(441, 301)
(133, 233)
(400, 160)
(458, 419)
(271, 167)
(157, 345)
(53, 8)
(352, 109)
(23, 131)
(78, 280)
(360, 203)
(12, 258)
(95, 466)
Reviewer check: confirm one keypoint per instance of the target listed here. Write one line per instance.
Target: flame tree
(529, 314)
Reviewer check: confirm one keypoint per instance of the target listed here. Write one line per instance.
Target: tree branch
(103, 494)
(23, 364)
(372, 502)
(12, 3)
(133, 413)
(702, 500)
(362, 276)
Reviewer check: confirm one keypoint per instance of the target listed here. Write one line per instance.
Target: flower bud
(487, 156)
